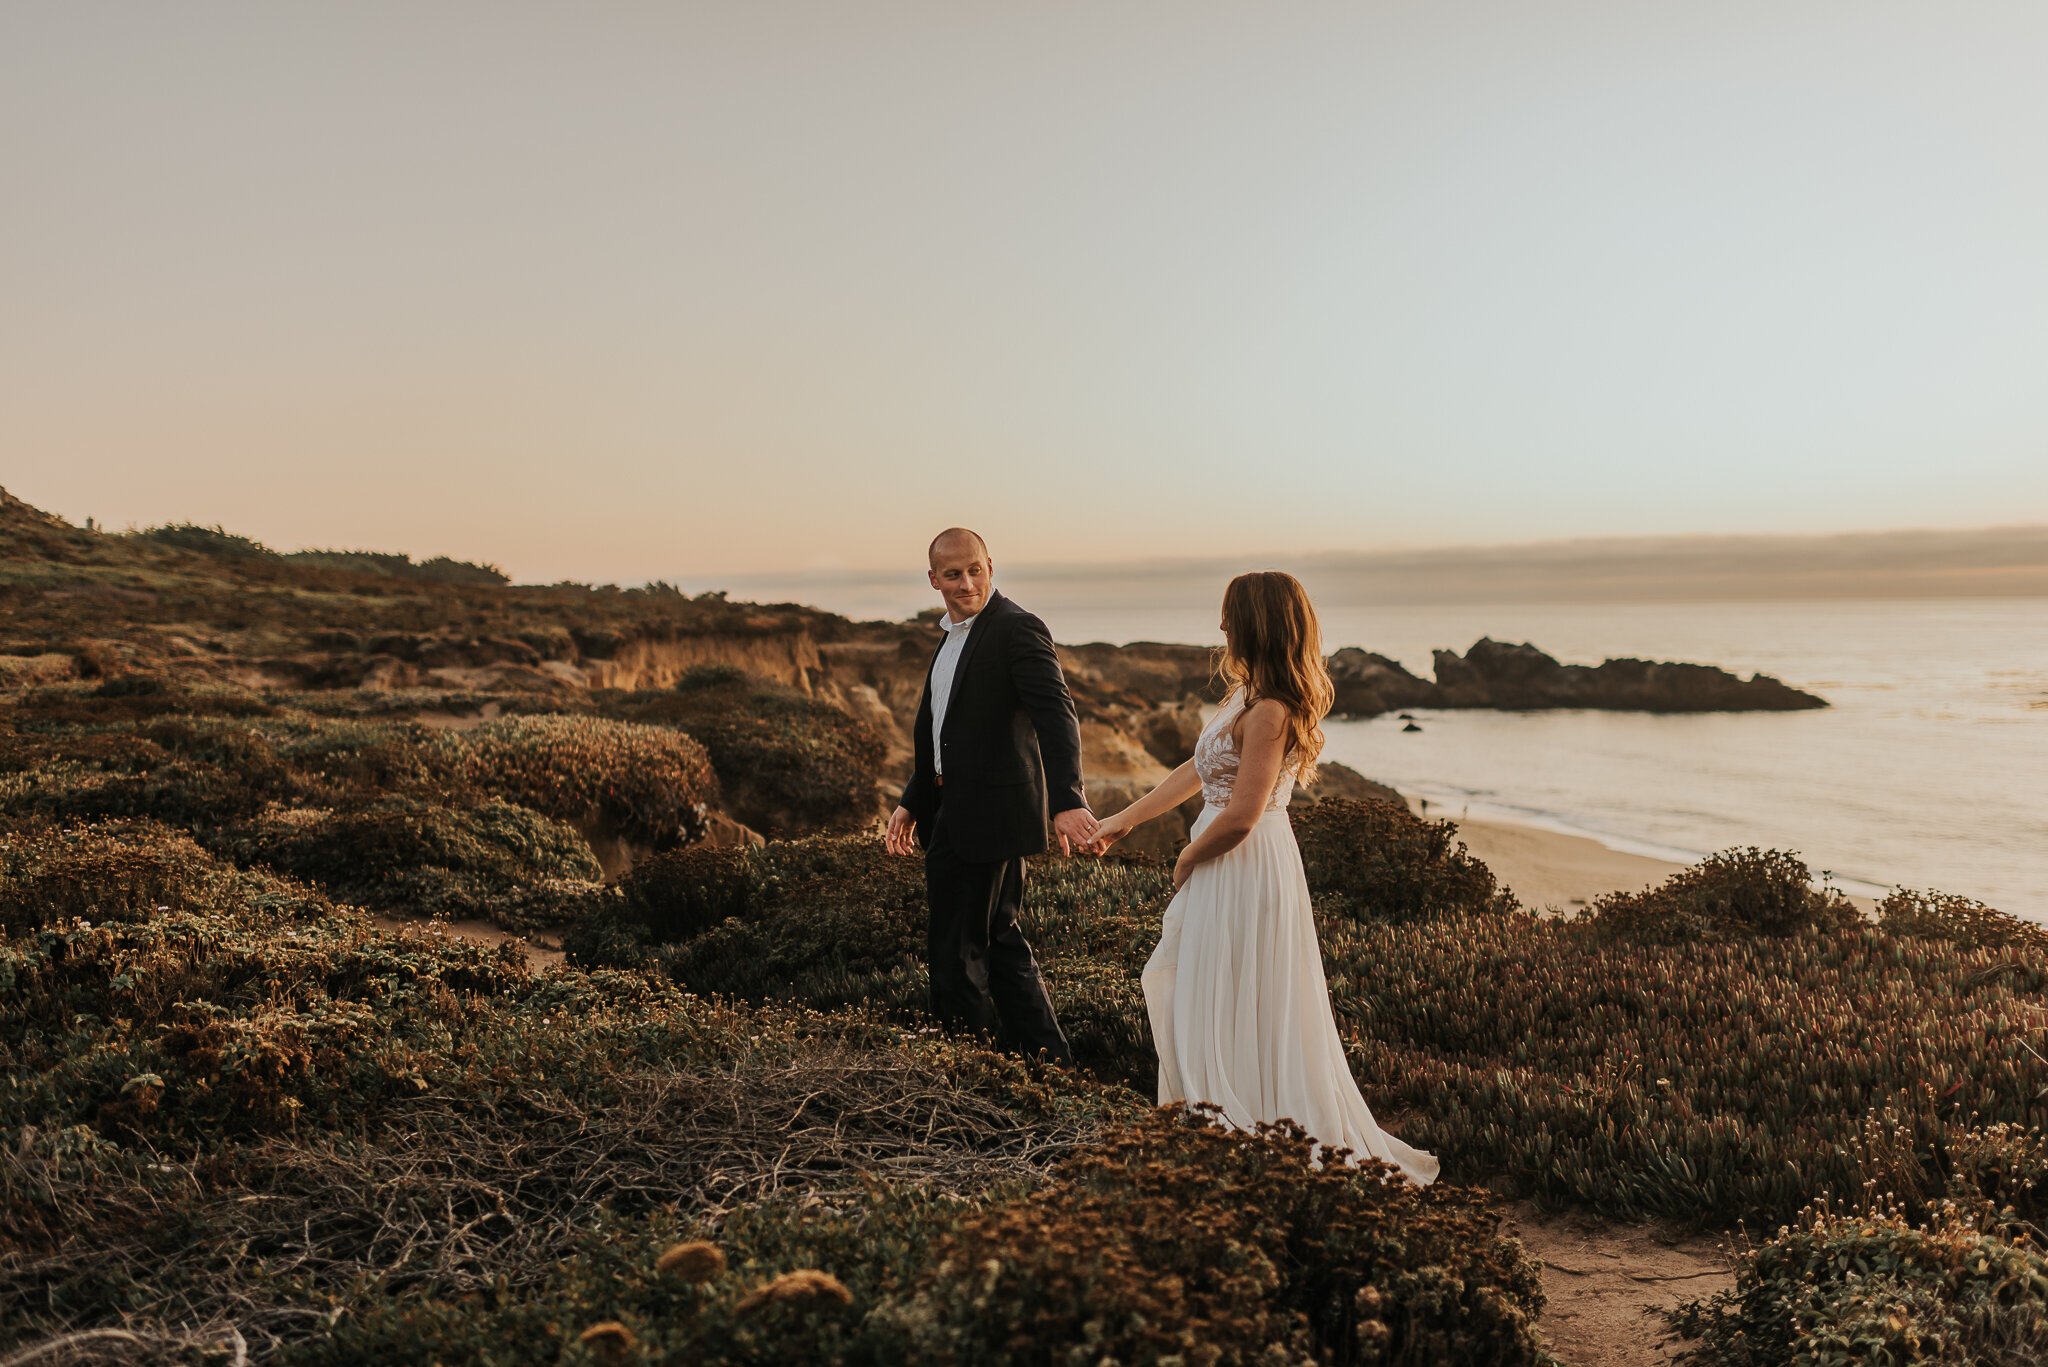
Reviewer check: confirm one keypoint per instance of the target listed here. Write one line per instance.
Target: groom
(995, 735)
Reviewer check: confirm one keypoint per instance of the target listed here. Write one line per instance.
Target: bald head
(961, 571)
(955, 541)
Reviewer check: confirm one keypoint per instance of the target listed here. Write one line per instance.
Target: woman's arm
(1176, 788)
(1260, 753)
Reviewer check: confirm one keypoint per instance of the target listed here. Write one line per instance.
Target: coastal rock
(1110, 751)
(1368, 684)
(1146, 670)
(1158, 839)
(1341, 782)
(1168, 732)
(1497, 674)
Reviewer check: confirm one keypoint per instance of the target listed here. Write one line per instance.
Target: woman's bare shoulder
(1265, 716)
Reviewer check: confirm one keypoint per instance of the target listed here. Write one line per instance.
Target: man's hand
(1075, 828)
(901, 837)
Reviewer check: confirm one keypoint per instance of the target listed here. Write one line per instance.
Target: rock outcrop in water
(1521, 677)
(1368, 684)
(1496, 674)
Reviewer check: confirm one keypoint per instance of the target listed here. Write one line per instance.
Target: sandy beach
(1556, 872)
(1563, 874)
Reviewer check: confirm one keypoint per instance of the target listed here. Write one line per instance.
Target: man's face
(961, 572)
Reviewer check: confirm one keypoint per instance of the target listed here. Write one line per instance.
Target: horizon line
(2027, 543)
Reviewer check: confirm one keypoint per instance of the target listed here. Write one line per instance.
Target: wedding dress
(1240, 1009)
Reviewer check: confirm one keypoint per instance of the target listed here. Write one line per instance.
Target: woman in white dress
(1240, 1008)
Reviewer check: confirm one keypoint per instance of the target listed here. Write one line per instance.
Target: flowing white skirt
(1240, 1007)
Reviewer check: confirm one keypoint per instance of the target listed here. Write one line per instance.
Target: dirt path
(1603, 1281)
(543, 950)
(459, 721)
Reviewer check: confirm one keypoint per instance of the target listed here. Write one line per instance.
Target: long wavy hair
(1273, 648)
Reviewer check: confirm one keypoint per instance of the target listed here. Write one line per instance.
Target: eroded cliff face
(891, 665)
(1139, 707)
(788, 657)
(1126, 736)
(554, 662)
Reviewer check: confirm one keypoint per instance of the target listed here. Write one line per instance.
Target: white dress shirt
(943, 668)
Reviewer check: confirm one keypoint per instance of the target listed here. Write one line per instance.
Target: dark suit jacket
(1012, 743)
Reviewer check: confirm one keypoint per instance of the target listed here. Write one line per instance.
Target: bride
(1240, 1010)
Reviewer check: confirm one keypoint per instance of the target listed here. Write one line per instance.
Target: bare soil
(542, 950)
(1604, 1283)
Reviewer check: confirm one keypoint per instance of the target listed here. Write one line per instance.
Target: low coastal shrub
(214, 540)
(2003, 1171)
(834, 920)
(335, 759)
(756, 1296)
(439, 569)
(1962, 920)
(1375, 861)
(123, 871)
(1173, 1241)
(191, 794)
(489, 860)
(179, 766)
(1709, 1082)
(788, 764)
(682, 893)
(248, 1004)
(828, 921)
(1736, 892)
(1160, 1240)
(646, 784)
(51, 709)
(820, 951)
(440, 1137)
(1845, 1286)
(202, 769)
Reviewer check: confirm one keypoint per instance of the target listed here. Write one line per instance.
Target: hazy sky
(619, 291)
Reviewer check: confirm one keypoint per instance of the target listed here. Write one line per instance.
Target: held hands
(1108, 832)
(1076, 827)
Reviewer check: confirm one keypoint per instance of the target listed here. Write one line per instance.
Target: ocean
(1929, 770)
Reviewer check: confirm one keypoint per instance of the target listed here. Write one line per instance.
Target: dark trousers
(984, 977)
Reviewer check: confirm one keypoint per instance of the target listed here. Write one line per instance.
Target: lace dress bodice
(1216, 759)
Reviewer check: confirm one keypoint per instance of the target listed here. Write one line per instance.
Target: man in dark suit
(998, 747)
